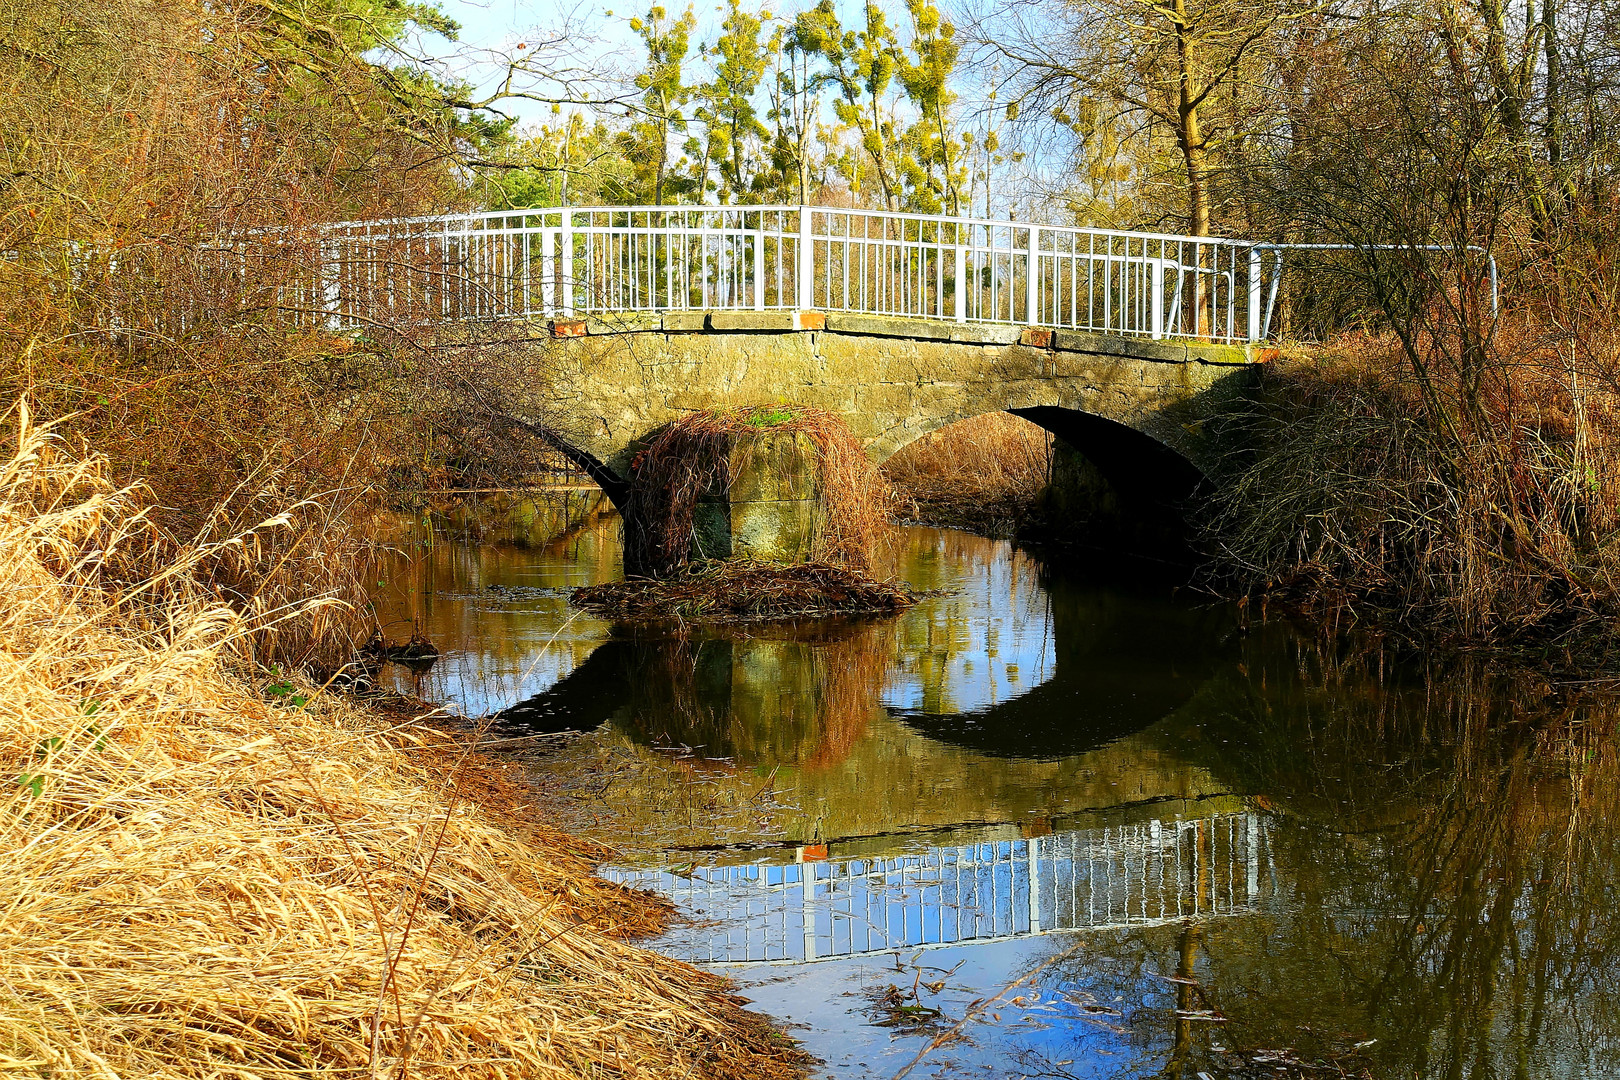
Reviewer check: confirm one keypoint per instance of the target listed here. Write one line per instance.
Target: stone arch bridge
(1124, 344)
(1140, 410)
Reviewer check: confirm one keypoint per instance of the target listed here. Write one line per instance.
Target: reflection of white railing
(1123, 876)
(619, 260)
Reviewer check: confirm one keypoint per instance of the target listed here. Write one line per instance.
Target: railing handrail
(749, 208)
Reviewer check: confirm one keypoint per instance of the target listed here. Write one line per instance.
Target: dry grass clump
(985, 473)
(1487, 512)
(209, 875)
(723, 590)
(699, 454)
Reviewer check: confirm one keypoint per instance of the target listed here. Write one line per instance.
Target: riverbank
(1369, 488)
(983, 475)
(208, 868)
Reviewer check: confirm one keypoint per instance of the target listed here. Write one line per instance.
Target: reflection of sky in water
(953, 925)
(987, 641)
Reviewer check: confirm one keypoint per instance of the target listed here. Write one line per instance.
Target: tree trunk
(1189, 132)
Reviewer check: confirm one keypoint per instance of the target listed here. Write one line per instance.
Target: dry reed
(209, 874)
(700, 455)
(985, 473)
(1362, 496)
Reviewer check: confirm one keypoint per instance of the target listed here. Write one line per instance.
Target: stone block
(753, 320)
(888, 326)
(1122, 346)
(810, 320)
(1035, 337)
(988, 334)
(776, 531)
(772, 466)
(624, 322)
(1219, 355)
(682, 322)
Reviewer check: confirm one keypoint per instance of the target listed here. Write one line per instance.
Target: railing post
(1156, 298)
(961, 274)
(548, 274)
(329, 282)
(807, 262)
(566, 270)
(1032, 278)
(1254, 294)
(759, 264)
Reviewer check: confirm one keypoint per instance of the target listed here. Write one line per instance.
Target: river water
(1048, 824)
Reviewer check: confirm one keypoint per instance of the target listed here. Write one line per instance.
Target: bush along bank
(207, 869)
(1483, 515)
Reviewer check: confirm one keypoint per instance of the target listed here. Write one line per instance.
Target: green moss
(770, 416)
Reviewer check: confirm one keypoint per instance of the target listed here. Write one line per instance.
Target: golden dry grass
(209, 874)
(1363, 489)
(986, 473)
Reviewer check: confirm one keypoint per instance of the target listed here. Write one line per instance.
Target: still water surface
(1045, 824)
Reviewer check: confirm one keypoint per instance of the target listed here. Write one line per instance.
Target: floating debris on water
(735, 589)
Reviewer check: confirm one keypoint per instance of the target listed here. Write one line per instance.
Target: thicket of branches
(139, 139)
(1433, 458)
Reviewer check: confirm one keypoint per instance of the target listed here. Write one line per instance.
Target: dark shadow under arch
(1139, 466)
(1124, 661)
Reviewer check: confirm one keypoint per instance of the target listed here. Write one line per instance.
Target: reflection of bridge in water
(1117, 877)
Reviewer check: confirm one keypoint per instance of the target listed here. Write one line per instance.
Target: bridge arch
(1099, 460)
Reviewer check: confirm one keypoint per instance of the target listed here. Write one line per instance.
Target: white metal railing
(1143, 874)
(600, 261)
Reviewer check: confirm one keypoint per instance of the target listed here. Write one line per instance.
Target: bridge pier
(766, 506)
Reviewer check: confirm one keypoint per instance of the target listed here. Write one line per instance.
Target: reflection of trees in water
(500, 612)
(775, 697)
(1447, 860)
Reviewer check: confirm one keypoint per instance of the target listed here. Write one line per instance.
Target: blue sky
(597, 38)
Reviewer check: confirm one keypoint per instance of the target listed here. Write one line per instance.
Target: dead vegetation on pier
(735, 590)
(700, 453)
